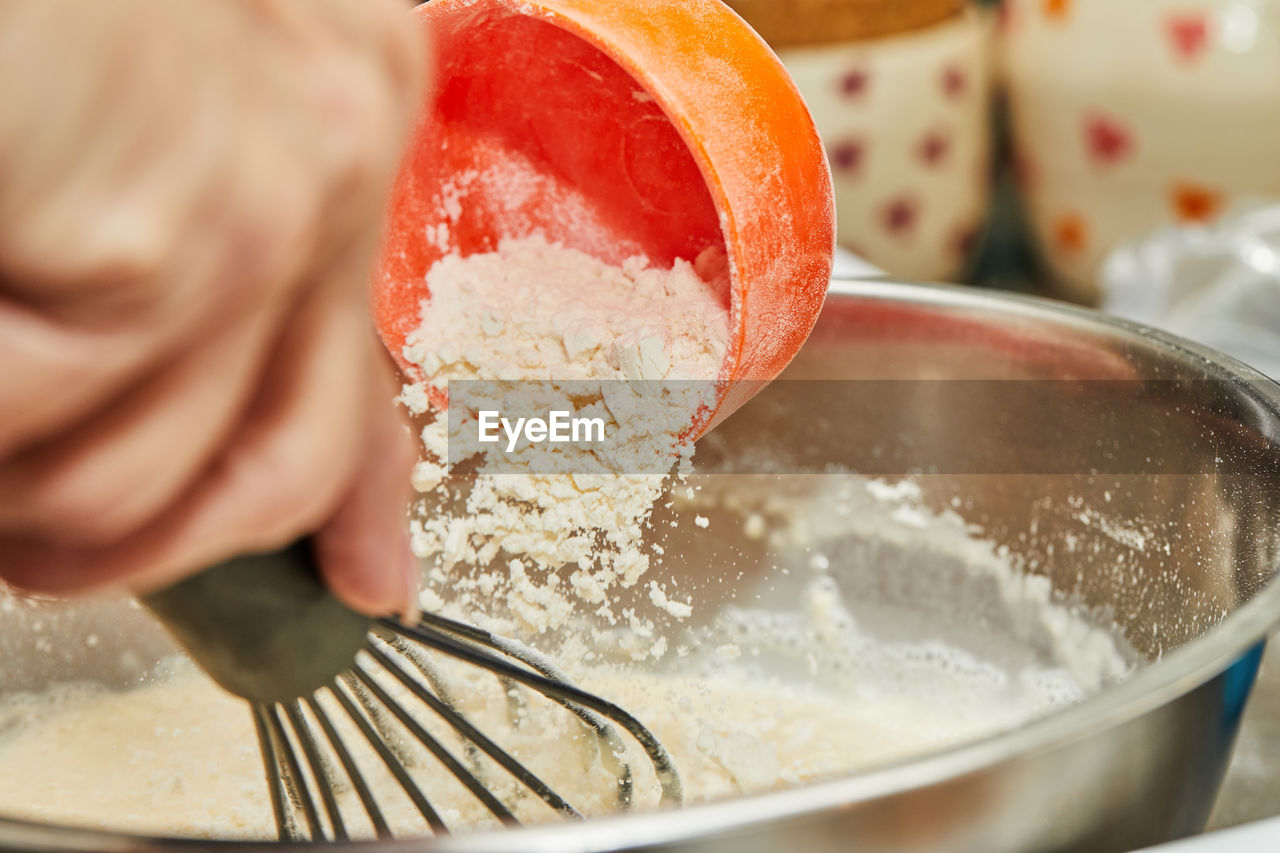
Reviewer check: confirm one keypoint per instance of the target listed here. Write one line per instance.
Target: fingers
(123, 229)
(120, 467)
(89, 318)
(279, 475)
(363, 549)
(160, 414)
(385, 30)
(172, 380)
(53, 373)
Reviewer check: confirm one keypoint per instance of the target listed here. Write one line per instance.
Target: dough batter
(180, 756)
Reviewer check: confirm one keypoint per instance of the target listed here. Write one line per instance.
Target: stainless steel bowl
(1137, 471)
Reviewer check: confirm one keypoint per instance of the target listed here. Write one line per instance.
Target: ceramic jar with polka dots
(1132, 114)
(905, 122)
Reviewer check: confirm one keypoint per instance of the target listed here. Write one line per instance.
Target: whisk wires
(307, 759)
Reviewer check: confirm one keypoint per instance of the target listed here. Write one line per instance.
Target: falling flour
(638, 347)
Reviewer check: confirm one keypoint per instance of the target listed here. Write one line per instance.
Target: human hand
(191, 196)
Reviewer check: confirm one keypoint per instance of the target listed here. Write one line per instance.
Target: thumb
(363, 549)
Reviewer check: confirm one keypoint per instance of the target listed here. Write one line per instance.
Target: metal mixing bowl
(1136, 471)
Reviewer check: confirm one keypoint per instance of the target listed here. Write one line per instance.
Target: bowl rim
(1160, 683)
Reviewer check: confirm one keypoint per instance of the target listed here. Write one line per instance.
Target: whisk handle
(263, 626)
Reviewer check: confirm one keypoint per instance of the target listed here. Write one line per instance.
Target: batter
(179, 756)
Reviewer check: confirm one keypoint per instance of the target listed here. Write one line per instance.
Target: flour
(818, 523)
(555, 327)
(533, 310)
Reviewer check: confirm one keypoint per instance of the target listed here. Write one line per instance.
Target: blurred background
(1123, 154)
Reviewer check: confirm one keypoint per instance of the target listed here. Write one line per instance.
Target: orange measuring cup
(665, 128)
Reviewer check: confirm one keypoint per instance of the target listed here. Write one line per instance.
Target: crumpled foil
(1218, 285)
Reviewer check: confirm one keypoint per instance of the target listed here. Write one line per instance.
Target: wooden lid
(785, 23)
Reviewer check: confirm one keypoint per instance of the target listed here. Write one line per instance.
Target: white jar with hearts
(906, 122)
(1131, 114)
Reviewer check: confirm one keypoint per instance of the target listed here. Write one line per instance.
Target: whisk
(266, 629)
